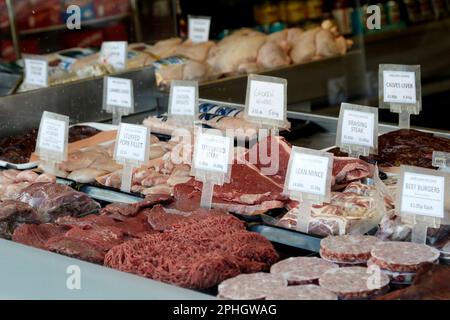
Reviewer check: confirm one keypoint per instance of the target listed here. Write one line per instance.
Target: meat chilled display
(302, 270)
(196, 253)
(354, 283)
(13, 214)
(256, 286)
(247, 51)
(12, 182)
(53, 200)
(402, 256)
(18, 149)
(303, 292)
(432, 282)
(347, 249)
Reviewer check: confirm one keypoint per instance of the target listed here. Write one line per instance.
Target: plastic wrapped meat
(54, 200)
(13, 214)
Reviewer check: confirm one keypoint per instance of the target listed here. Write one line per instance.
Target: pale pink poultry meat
(194, 51)
(271, 55)
(304, 48)
(164, 48)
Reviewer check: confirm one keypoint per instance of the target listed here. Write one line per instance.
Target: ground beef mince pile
(199, 252)
(18, 149)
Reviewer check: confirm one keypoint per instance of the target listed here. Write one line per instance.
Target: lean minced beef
(13, 214)
(36, 235)
(195, 253)
(53, 200)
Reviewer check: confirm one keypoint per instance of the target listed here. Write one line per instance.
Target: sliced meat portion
(256, 286)
(347, 248)
(302, 270)
(402, 256)
(346, 170)
(354, 283)
(37, 235)
(304, 292)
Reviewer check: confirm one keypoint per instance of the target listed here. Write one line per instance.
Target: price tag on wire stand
(213, 155)
(131, 150)
(36, 72)
(357, 132)
(198, 28)
(183, 102)
(441, 160)
(266, 103)
(52, 140)
(115, 54)
(422, 200)
(400, 91)
(308, 180)
(118, 97)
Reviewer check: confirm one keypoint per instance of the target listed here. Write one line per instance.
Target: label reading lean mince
(198, 28)
(309, 174)
(423, 195)
(36, 72)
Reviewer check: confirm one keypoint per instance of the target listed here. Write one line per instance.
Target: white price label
(115, 54)
(198, 29)
(267, 100)
(132, 143)
(183, 100)
(52, 135)
(399, 87)
(119, 93)
(36, 72)
(212, 153)
(423, 195)
(308, 174)
(357, 128)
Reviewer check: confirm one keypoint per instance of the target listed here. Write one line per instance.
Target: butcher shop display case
(104, 193)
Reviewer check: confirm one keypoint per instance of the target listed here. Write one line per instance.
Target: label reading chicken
(266, 101)
(114, 53)
(198, 28)
(132, 144)
(36, 72)
(309, 175)
(183, 99)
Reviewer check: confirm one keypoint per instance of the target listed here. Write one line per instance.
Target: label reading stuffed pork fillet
(132, 143)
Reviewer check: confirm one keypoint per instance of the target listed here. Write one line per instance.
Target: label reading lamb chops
(357, 132)
(400, 91)
(118, 97)
(308, 180)
(421, 199)
(211, 162)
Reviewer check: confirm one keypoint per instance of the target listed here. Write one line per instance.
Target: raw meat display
(397, 278)
(302, 270)
(303, 292)
(248, 192)
(13, 214)
(12, 182)
(53, 200)
(402, 256)
(247, 50)
(36, 235)
(18, 149)
(347, 249)
(346, 170)
(256, 286)
(355, 283)
(196, 253)
(432, 282)
(409, 147)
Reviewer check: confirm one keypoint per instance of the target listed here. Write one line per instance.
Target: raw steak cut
(13, 214)
(256, 286)
(304, 292)
(346, 170)
(52, 200)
